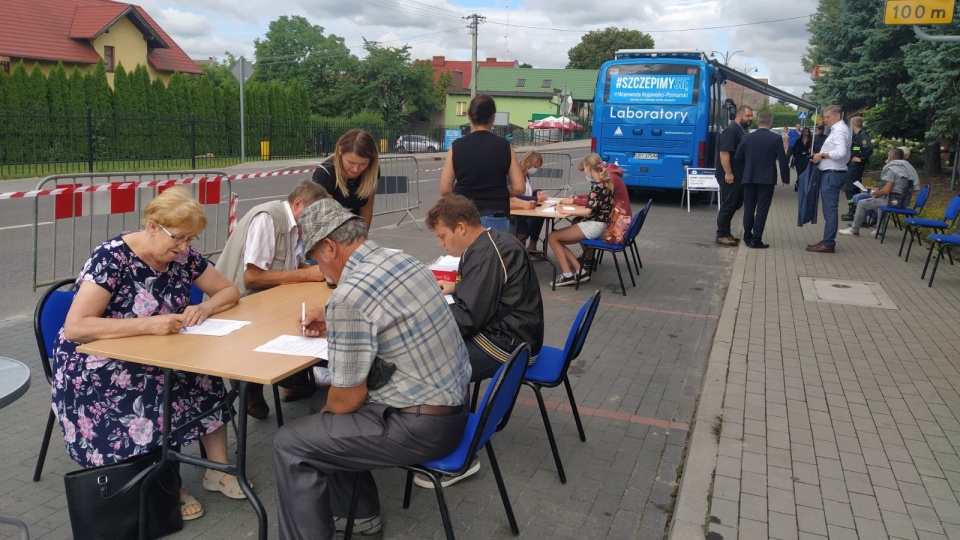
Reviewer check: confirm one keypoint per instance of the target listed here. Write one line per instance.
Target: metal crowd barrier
(554, 175)
(399, 188)
(107, 205)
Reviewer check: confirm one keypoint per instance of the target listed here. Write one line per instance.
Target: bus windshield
(651, 84)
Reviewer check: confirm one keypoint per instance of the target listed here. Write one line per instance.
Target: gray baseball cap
(320, 219)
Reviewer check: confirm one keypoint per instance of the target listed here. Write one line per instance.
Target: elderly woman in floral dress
(135, 284)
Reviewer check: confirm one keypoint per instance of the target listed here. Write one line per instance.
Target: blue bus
(658, 112)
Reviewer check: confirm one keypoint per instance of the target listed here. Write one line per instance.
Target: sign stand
(699, 179)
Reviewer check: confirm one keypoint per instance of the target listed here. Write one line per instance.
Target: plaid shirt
(388, 305)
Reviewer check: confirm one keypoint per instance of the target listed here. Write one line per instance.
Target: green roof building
(526, 93)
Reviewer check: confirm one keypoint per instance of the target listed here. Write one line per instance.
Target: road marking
(24, 226)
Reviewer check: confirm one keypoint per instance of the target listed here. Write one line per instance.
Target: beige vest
(230, 262)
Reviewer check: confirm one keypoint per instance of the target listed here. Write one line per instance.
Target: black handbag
(898, 200)
(104, 502)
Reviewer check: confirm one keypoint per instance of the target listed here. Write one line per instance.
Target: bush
(882, 146)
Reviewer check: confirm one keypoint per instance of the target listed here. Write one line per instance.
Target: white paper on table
(296, 346)
(549, 210)
(859, 185)
(569, 208)
(449, 298)
(550, 202)
(214, 327)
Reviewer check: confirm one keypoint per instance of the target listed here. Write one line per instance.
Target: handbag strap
(104, 483)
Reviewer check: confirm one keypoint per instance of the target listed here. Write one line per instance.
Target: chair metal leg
(476, 397)
(352, 512)
(408, 488)
(903, 241)
(620, 276)
(503, 491)
(626, 260)
(276, 404)
(926, 264)
(882, 226)
(442, 504)
(914, 233)
(935, 264)
(44, 445)
(573, 407)
(636, 257)
(549, 430)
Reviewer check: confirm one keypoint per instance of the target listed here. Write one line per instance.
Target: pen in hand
(303, 318)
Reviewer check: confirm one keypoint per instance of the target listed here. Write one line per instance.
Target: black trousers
(756, 206)
(731, 200)
(854, 174)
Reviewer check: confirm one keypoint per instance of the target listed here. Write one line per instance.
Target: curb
(692, 507)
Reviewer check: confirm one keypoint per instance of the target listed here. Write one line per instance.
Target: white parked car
(417, 143)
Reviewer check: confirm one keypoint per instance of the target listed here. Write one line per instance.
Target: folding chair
(48, 319)
(913, 225)
(550, 370)
(629, 238)
(899, 213)
(492, 415)
(946, 241)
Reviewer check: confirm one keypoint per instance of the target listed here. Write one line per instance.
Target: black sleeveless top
(481, 162)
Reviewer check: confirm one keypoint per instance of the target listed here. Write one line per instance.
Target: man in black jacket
(760, 152)
(860, 151)
(728, 172)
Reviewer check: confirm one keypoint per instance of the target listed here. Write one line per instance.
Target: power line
(581, 31)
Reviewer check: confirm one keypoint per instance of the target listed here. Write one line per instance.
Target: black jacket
(761, 152)
(861, 147)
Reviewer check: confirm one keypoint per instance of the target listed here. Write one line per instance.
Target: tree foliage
(394, 86)
(598, 46)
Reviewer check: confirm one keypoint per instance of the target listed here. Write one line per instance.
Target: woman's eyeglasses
(180, 240)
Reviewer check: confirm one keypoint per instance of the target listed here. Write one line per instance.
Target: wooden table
(549, 217)
(273, 312)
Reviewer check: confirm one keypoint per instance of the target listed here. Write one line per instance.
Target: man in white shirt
(266, 250)
(832, 161)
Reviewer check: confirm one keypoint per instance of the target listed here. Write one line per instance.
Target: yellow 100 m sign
(918, 12)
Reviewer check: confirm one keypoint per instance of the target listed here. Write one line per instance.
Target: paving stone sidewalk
(835, 421)
(636, 383)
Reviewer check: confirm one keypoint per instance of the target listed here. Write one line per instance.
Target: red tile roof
(54, 30)
(441, 65)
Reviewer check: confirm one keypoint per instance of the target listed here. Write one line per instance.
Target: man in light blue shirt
(832, 161)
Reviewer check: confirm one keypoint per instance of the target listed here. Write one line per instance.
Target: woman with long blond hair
(528, 228)
(351, 174)
(595, 214)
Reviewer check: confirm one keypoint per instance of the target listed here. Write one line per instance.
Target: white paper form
(859, 185)
(296, 346)
(214, 327)
(449, 299)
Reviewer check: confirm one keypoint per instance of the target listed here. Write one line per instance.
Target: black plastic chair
(898, 213)
(48, 319)
(913, 225)
(491, 416)
(550, 370)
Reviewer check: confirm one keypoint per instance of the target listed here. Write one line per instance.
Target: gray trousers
(864, 207)
(315, 459)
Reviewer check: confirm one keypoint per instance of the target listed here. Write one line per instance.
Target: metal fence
(399, 188)
(95, 207)
(554, 174)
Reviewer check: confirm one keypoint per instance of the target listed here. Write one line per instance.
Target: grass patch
(717, 427)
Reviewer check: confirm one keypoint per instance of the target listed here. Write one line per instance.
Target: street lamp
(727, 55)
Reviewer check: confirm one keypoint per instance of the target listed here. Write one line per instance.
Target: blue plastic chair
(550, 370)
(48, 319)
(492, 415)
(945, 241)
(913, 225)
(899, 213)
(629, 240)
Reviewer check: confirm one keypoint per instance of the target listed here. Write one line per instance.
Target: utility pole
(474, 23)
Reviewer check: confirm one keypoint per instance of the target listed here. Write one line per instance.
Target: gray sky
(772, 35)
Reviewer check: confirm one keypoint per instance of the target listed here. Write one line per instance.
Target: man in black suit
(760, 152)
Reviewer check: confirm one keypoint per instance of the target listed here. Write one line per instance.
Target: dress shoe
(821, 249)
(820, 243)
(756, 244)
(300, 391)
(732, 237)
(847, 217)
(726, 241)
(256, 406)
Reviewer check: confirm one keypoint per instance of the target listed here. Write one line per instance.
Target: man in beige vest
(266, 250)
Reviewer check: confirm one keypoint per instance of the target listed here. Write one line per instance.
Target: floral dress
(600, 202)
(110, 410)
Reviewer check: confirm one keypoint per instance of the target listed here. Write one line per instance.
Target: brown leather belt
(432, 410)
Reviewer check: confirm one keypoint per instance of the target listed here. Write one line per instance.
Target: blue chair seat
(548, 366)
(455, 460)
(945, 241)
(913, 226)
(629, 242)
(897, 213)
(928, 223)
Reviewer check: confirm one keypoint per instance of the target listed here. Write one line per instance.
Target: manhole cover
(851, 293)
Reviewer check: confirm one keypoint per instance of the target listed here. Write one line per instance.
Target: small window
(108, 58)
(461, 108)
(546, 83)
(521, 83)
(5, 64)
